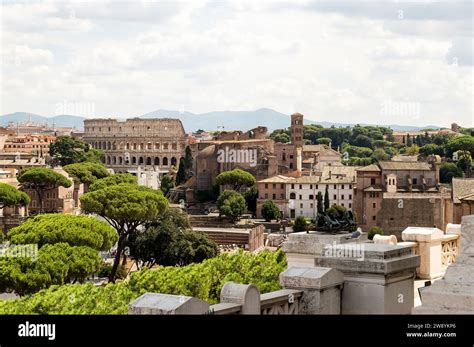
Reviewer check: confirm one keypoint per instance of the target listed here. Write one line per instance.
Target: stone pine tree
(319, 198)
(326, 199)
(41, 179)
(127, 208)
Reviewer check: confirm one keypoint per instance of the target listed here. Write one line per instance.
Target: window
(350, 196)
(301, 186)
(266, 186)
(274, 186)
(342, 198)
(335, 197)
(374, 205)
(311, 205)
(372, 181)
(292, 186)
(301, 197)
(292, 196)
(317, 186)
(282, 196)
(342, 187)
(310, 186)
(311, 197)
(350, 205)
(301, 206)
(335, 187)
(266, 195)
(373, 217)
(282, 186)
(415, 181)
(274, 196)
(342, 204)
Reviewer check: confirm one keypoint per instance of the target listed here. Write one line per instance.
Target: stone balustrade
(436, 249)
(305, 291)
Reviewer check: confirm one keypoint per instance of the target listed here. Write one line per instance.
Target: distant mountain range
(217, 120)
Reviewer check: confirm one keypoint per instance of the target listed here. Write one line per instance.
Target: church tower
(297, 129)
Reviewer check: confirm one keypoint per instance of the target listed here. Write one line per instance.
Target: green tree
(231, 204)
(86, 172)
(374, 231)
(250, 196)
(447, 171)
(281, 138)
(323, 141)
(237, 178)
(463, 145)
(379, 154)
(56, 228)
(188, 159)
(126, 207)
(430, 149)
(113, 180)
(40, 179)
(300, 224)
(166, 184)
(68, 150)
(181, 175)
(10, 196)
(270, 210)
(320, 206)
(170, 242)
(326, 199)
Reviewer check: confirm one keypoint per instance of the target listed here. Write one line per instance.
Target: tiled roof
(277, 179)
(313, 148)
(462, 188)
(371, 167)
(404, 165)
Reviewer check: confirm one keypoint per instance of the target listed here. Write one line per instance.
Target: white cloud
(330, 61)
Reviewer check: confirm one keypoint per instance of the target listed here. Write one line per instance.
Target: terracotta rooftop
(371, 167)
(462, 189)
(404, 165)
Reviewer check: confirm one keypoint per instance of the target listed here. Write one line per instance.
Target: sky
(379, 62)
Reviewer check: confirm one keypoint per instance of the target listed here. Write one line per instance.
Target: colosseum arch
(134, 146)
(140, 161)
(108, 160)
(127, 146)
(157, 145)
(165, 161)
(104, 145)
(157, 161)
(134, 160)
(114, 160)
(173, 161)
(148, 161)
(120, 160)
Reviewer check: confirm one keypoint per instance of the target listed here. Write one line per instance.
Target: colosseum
(148, 143)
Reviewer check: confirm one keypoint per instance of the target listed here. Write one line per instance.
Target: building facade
(37, 145)
(394, 195)
(149, 143)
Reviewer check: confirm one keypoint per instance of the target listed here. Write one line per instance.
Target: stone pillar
(302, 247)
(161, 304)
(378, 279)
(246, 295)
(429, 249)
(454, 294)
(321, 288)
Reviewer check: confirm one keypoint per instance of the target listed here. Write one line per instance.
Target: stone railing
(449, 249)
(285, 301)
(305, 291)
(436, 249)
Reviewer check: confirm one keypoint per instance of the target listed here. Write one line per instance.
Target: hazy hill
(222, 120)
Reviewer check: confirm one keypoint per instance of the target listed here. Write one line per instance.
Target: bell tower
(297, 129)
